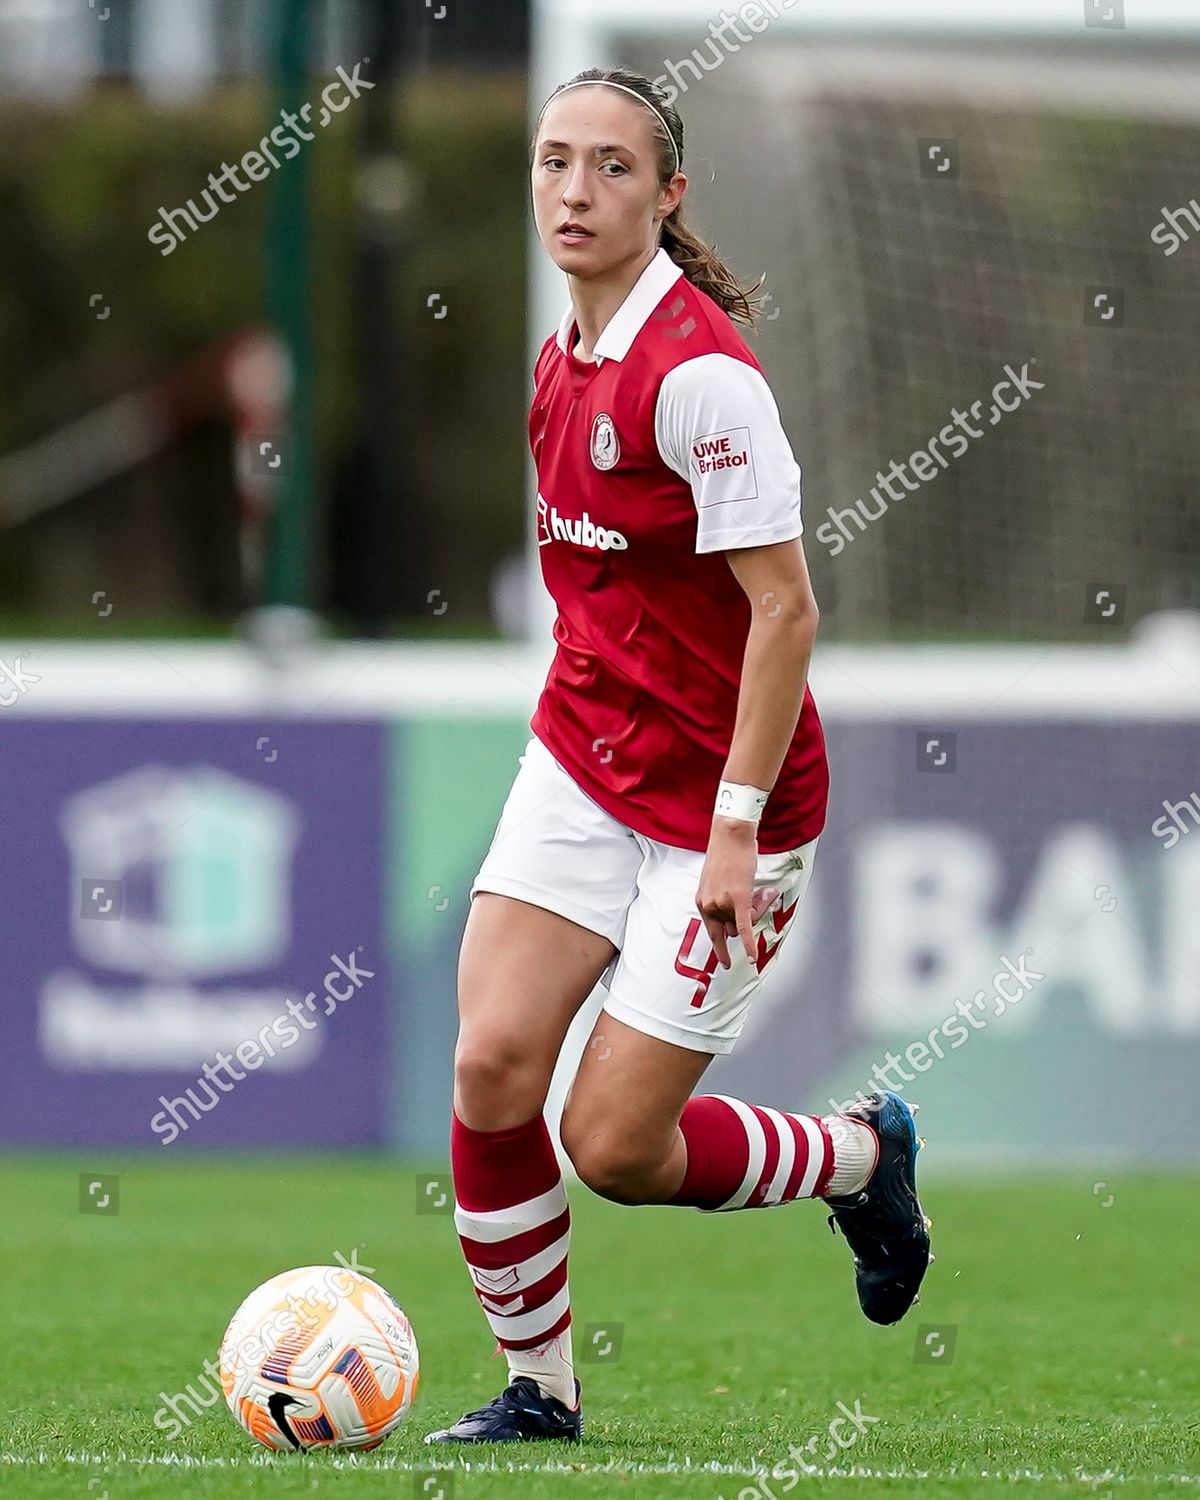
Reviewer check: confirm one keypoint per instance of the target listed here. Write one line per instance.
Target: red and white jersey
(652, 460)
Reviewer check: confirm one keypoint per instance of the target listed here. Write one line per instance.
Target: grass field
(1073, 1367)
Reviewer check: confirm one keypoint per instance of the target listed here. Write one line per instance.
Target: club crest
(606, 446)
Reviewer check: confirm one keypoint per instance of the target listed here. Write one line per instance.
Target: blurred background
(271, 626)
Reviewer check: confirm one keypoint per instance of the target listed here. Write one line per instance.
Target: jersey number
(704, 977)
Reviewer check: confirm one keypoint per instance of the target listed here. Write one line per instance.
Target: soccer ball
(319, 1357)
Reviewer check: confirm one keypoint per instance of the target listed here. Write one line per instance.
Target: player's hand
(726, 899)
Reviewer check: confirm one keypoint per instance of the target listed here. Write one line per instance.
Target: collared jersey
(652, 460)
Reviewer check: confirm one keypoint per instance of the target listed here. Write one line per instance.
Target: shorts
(556, 848)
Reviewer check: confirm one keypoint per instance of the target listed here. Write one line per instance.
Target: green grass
(1074, 1371)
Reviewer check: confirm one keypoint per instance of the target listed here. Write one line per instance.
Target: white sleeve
(718, 426)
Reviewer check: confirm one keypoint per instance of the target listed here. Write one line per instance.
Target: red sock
(747, 1156)
(514, 1226)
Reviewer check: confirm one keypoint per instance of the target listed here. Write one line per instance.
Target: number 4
(704, 977)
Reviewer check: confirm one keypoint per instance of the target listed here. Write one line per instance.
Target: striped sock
(514, 1225)
(748, 1156)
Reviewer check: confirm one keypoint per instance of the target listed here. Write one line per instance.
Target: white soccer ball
(319, 1357)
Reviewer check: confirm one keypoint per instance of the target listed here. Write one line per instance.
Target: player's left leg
(636, 1136)
(620, 1119)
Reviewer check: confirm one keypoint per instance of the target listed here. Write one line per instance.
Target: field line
(711, 1467)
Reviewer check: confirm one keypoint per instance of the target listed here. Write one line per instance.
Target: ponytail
(705, 269)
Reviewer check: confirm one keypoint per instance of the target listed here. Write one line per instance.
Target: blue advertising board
(193, 943)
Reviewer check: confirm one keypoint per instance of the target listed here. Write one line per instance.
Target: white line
(612, 1466)
(1146, 680)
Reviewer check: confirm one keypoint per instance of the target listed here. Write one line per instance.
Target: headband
(633, 94)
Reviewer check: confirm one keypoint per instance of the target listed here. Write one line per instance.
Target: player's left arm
(719, 426)
(783, 627)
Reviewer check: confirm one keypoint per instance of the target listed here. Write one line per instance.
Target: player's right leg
(523, 974)
(547, 917)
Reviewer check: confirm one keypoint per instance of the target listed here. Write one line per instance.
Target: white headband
(633, 94)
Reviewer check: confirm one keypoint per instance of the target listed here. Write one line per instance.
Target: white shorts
(556, 848)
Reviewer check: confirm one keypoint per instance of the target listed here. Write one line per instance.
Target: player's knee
(495, 1085)
(617, 1168)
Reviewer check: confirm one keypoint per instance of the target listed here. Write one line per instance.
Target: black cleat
(884, 1224)
(520, 1413)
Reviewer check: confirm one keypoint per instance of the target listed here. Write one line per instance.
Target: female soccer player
(660, 832)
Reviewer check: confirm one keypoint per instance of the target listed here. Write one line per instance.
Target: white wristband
(745, 802)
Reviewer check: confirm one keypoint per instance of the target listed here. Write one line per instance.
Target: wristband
(744, 802)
